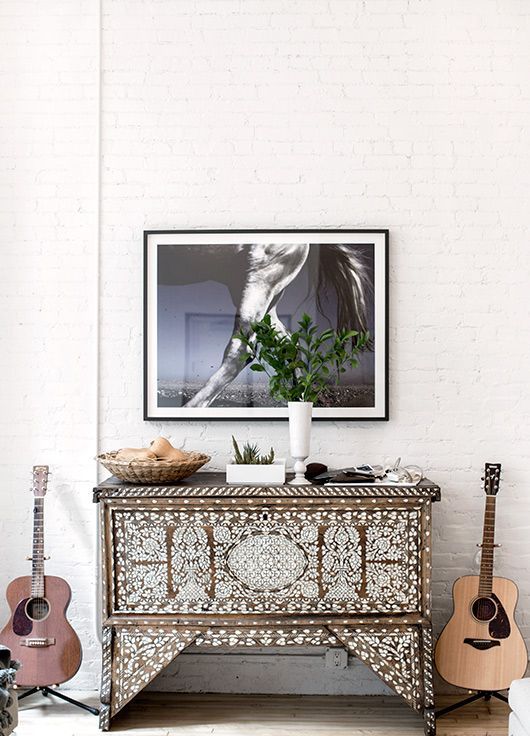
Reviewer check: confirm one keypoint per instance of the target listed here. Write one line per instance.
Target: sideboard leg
(429, 715)
(136, 654)
(429, 721)
(106, 677)
(104, 717)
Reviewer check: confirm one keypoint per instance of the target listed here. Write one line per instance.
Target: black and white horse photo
(208, 292)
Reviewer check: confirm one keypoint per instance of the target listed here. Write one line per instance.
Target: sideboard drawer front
(255, 560)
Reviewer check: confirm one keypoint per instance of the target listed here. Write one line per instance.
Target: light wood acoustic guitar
(38, 633)
(481, 647)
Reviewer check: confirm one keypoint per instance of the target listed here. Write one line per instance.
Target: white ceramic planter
(257, 475)
(300, 413)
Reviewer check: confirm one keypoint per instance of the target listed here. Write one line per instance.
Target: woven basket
(152, 471)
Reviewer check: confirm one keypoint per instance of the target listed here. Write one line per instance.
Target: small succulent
(250, 455)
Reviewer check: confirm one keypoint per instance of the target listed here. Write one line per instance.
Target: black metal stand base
(481, 694)
(48, 691)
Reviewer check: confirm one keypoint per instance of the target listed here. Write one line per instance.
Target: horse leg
(233, 358)
(272, 269)
(276, 321)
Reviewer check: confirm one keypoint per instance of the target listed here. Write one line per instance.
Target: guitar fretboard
(488, 548)
(37, 567)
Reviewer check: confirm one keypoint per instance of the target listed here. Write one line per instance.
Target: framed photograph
(202, 286)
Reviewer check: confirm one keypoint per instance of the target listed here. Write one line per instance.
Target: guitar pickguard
(22, 625)
(499, 627)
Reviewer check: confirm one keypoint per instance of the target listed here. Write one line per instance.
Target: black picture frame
(381, 298)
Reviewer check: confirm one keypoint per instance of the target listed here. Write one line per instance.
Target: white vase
(300, 438)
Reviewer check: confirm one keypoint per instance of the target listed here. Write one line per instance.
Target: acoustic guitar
(38, 633)
(481, 647)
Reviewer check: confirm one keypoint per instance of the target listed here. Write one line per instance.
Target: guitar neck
(37, 567)
(488, 548)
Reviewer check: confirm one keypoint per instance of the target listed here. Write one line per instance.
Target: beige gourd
(160, 450)
(135, 453)
(164, 450)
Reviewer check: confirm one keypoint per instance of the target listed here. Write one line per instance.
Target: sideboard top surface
(214, 485)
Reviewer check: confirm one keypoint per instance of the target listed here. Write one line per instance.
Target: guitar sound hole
(37, 609)
(484, 609)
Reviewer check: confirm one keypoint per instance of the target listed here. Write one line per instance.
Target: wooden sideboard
(212, 565)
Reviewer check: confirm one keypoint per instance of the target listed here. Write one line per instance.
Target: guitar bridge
(482, 644)
(38, 641)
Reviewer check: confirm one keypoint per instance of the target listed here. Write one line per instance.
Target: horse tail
(345, 272)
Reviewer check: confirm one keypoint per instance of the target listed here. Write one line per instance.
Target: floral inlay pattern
(230, 560)
(190, 570)
(394, 654)
(251, 637)
(140, 654)
(266, 562)
(341, 562)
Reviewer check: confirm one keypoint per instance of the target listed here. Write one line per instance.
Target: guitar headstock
(492, 478)
(40, 480)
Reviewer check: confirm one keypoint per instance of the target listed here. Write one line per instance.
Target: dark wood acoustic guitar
(38, 633)
(481, 647)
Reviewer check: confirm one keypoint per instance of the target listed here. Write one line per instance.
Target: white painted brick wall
(412, 115)
(48, 144)
(48, 207)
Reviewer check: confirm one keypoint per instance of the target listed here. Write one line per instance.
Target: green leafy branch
(302, 364)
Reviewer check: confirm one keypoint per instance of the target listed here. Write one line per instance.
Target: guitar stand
(486, 694)
(48, 691)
